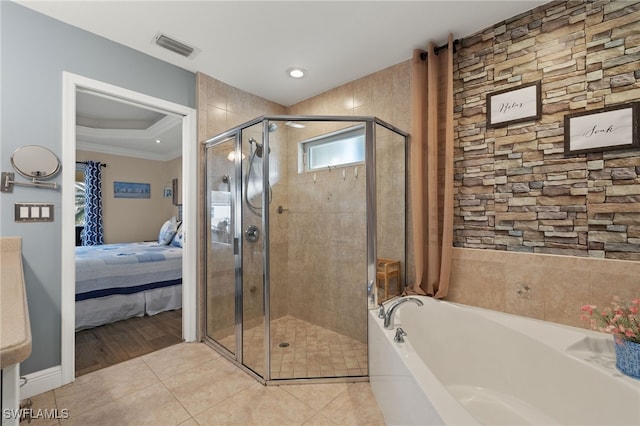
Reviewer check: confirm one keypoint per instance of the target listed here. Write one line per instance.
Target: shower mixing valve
(252, 234)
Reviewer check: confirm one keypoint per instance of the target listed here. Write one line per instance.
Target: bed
(119, 281)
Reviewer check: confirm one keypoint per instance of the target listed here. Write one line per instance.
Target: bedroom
(126, 316)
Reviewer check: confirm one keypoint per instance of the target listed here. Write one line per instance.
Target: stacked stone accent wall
(515, 189)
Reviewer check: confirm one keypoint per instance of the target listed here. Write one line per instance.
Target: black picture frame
(514, 105)
(605, 129)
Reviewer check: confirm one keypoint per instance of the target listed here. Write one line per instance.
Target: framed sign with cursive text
(603, 129)
(514, 105)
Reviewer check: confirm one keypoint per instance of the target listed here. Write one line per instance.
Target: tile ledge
(15, 335)
(10, 244)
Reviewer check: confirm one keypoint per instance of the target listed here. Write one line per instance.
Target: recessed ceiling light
(296, 72)
(157, 140)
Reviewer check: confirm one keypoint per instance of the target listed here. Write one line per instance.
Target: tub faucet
(391, 312)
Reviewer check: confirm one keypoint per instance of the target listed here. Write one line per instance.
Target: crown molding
(126, 152)
(100, 140)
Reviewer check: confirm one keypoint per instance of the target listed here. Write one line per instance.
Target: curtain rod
(84, 162)
(437, 49)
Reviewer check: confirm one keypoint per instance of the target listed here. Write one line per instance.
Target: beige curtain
(431, 167)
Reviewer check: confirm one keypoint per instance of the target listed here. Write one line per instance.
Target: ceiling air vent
(173, 45)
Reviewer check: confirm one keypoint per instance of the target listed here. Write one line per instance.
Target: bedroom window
(221, 217)
(80, 195)
(341, 148)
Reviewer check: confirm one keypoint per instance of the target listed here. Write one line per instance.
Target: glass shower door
(235, 243)
(318, 251)
(253, 236)
(222, 252)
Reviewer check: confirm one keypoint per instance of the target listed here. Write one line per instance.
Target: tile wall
(324, 223)
(526, 215)
(571, 253)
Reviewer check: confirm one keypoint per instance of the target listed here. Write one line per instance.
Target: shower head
(260, 150)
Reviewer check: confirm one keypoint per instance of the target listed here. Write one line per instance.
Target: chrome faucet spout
(391, 312)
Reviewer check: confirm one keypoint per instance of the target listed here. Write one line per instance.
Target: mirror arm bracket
(8, 181)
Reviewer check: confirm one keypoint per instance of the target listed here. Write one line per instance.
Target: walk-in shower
(299, 211)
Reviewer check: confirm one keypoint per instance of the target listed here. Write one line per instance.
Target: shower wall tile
(362, 92)
(216, 93)
(221, 107)
(401, 95)
(216, 121)
(339, 203)
(318, 252)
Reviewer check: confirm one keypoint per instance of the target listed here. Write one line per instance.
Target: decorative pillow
(167, 231)
(178, 238)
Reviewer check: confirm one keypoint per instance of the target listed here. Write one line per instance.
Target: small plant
(620, 319)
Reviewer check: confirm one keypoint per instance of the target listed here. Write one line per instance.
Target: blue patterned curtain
(93, 234)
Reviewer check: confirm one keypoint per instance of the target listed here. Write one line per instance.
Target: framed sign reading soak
(603, 129)
(514, 105)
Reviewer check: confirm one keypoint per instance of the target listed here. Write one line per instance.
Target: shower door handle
(236, 246)
(252, 233)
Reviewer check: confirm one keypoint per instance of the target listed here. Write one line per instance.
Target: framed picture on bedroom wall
(131, 190)
(514, 105)
(604, 129)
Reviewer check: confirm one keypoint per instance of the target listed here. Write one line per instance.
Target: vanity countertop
(15, 330)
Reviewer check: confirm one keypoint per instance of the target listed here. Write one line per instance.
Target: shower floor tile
(312, 351)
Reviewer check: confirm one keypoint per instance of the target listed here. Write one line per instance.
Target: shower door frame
(237, 244)
(371, 230)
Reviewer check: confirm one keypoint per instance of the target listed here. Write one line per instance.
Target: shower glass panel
(252, 249)
(318, 253)
(313, 203)
(220, 324)
(391, 215)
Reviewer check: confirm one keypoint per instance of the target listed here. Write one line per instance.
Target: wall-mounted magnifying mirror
(34, 161)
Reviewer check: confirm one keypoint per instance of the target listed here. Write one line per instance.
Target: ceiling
(113, 127)
(251, 44)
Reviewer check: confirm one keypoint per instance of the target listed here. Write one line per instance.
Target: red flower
(620, 319)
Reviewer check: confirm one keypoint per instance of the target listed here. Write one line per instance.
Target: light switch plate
(33, 212)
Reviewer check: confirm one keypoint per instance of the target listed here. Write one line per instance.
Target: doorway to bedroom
(128, 268)
(128, 276)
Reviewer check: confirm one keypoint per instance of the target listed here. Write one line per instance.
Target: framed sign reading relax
(603, 129)
(514, 105)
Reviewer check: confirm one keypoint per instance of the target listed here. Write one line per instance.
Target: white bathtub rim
(560, 337)
(566, 340)
(448, 408)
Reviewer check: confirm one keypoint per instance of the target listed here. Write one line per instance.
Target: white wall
(128, 220)
(35, 51)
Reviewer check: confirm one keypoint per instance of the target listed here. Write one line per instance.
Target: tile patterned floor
(313, 351)
(189, 384)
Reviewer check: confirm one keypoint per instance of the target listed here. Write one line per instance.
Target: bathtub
(461, 365)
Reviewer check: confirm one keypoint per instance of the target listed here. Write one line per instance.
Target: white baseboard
(41, 381)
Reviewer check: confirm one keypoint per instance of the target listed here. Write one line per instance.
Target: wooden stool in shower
(386, 269)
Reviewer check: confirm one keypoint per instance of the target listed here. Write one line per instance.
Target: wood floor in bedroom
(120, 341)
